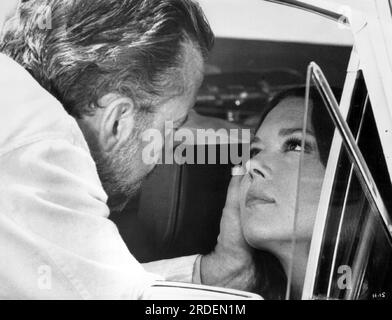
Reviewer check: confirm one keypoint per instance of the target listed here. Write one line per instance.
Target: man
(118, 68)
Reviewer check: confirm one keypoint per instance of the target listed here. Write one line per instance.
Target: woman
(268, 192)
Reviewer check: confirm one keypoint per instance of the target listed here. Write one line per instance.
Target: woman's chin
(256, 237)
(264, 238)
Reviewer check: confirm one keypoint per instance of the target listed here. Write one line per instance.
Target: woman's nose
(255, 169)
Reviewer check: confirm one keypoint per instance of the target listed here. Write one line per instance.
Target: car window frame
(333, 162)
(325, 197)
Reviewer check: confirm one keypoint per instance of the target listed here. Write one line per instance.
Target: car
(350, 50)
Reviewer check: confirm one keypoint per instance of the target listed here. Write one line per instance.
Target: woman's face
(268, 192)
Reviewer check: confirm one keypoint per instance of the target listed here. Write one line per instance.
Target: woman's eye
(296, 145)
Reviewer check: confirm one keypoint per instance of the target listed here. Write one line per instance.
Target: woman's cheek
(309, 197)
(286, 185)
(244, 187)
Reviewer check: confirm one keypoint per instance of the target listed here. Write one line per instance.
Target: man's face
(123, 172)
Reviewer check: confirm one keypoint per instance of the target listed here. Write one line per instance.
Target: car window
(356, 249)
(317, 134)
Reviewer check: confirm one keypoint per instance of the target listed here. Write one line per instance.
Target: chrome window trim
(351, 293)
(322, 212)
(375, 61)
(330, 14)
(364, 174)
(351, 146)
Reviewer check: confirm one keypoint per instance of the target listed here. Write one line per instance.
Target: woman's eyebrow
(290, 131)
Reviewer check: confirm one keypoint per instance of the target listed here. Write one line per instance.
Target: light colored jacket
(56, 241)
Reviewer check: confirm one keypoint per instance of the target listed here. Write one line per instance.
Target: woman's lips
(260, 199)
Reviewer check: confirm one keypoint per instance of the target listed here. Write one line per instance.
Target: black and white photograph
(222, 153)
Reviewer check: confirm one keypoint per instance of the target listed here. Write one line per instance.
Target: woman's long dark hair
(271, 278)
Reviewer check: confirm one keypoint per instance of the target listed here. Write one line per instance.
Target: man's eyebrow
(290, 131)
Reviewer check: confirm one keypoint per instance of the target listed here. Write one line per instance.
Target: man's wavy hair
(133, 47)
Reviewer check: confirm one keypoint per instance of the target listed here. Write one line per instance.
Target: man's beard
(119, 174)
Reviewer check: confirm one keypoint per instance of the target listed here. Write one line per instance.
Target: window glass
(356, 253)
(317, 135)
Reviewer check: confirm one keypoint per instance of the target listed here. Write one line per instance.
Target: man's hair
(93, 47)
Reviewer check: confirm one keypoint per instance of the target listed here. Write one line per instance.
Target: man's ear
(117, 123)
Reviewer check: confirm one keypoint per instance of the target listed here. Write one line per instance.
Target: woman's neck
(297, 261)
